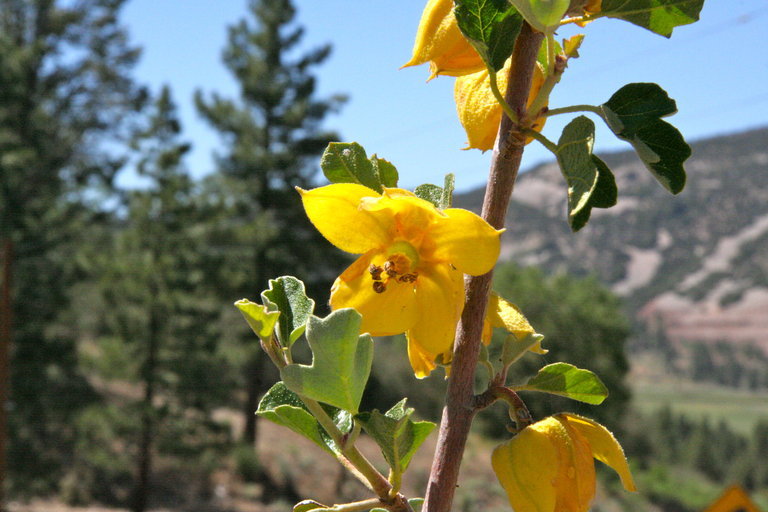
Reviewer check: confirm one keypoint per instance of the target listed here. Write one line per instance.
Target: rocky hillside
(697, 262)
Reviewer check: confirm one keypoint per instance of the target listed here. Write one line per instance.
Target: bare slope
(697, 261)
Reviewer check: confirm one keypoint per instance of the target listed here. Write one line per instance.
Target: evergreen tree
(64, 89)
(156, 311)
(272, 135)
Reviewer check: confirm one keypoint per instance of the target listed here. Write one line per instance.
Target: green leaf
(543, 15)
(287, 295)
(633, 113)
(441, 197)
(574, 155)
(341, 361)
(395, 433)
(566, 380)
(416, 504)
(347, 162)
(514, 348)
(659, 16)
(491, 26)
(261, 320)
(605, 194)
(386, 172)
(307, 505)
(284, 407)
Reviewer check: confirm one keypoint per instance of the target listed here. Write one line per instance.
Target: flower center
(401, 260)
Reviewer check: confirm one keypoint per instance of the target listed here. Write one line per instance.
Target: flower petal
(422, 361)
(526, 467)
(480, 113)
(391, 312)
(440, 300)
(604, 446)
(576, 476)
(412, 216)
(466, 241)
(335, 211)
(440, 42)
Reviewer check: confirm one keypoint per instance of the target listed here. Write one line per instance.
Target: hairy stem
(459, 402)
(356, 462)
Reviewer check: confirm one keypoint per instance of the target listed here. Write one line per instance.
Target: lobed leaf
(347, 162)
(259, 318)
(634, 114)
(566, 380)
(491, 26)
(395, 433)
(659, 16)
(441, 197)
(341, 361)
(282, 406)
(287, 295)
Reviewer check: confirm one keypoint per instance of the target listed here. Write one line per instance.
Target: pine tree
(64, 88)
(272, 134)
(157, 312)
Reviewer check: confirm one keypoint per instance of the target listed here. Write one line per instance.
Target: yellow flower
(591, 7)
(409, 275)
(440, 42)
(478, 110)
(549, 467)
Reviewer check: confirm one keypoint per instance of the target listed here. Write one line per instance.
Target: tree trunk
(144, 464)
(6, 315)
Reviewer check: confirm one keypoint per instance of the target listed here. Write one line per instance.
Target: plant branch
(573, 109)
(356, 462)
(459, 411)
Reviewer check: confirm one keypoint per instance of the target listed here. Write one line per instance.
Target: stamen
(389, 268)
(375, 272)
(379, 287)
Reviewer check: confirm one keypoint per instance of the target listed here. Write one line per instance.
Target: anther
(379, 287)
(389, 268)
(408, 278)
(375, 272)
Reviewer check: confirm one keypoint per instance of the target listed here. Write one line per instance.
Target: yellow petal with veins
(480, 113)
(466, 240)
(527, 468)
(440, 42)
(390, 312)
(335, 211)
(440, 300)
(604, 446)
(421, 361)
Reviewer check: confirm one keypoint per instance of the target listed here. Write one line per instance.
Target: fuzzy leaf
(287, 295)
(566, 380)
(347, 162)
(659, 16)
(491, 26)
(341, 361)
(282, 406)
(261, 320)
(395, 433)
(386, 172)
(441, 197)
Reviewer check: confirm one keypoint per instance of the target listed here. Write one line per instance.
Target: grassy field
(740, 408)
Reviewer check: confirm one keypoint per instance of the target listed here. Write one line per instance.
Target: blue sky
(716, 69)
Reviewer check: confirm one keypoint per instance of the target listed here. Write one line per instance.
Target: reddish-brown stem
(459, 402)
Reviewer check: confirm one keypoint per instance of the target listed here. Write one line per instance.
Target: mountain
(695, 264)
